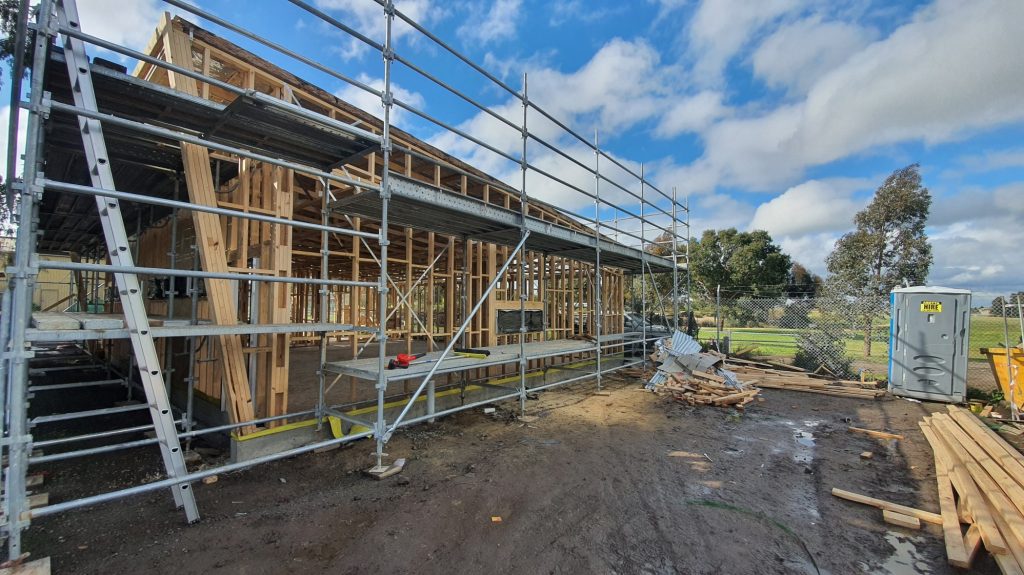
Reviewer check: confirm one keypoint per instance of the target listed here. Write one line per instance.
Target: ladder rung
(89, 413)
(132, 301)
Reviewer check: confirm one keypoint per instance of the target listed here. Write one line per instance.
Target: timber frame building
(220, 217)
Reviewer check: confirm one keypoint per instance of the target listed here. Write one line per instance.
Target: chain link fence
(841, 334)
(991, 329)
(838, 335)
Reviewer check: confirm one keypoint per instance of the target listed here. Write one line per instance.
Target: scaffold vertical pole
(172, 284)
(689, 287)
(464, 304)
(675, 263)
(193, 341)
(324, 291)
(22, 284)
(643, 276)
(597, 252)
(385, 194)
(523, 212)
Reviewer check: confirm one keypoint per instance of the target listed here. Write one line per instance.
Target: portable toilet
(929, 335)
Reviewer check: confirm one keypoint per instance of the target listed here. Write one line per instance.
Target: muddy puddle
(905, 559)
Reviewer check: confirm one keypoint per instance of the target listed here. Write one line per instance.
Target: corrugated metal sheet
(658, 378)
(683, 344)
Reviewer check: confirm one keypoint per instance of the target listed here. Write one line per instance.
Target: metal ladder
(116, 237)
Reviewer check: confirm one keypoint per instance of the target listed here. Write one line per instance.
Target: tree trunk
(867, 337)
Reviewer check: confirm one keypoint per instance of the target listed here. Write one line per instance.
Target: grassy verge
(782, 343)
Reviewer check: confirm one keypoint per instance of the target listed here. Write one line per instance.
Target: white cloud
(716, 212)
(494, 24)
(755, 152)
(129, 24)
(810, 250)
(974, 204)
(807, 219)
(813, 206)
(691, 114)
(615, 191)
(370, 103)
(618, 87)
(968, 254)
(966, 231)
(994, 160)
(5, 122)
(721, 28)
(563, 11)
(952, 70)
(512, 67)
(796, 55)
(367, 18)
(669, 5)
(615, 90)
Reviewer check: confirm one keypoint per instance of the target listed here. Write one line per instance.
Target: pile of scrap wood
(981, 485)
(781, 376)
(697, 388)
(696, 378)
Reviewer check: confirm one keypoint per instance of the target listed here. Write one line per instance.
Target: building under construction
(247, 254)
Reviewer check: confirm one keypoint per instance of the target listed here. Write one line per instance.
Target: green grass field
(988, 332)
(777, 342)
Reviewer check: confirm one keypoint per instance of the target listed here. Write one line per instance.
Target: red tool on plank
(403, 360)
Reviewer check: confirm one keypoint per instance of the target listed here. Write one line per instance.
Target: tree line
(887, 248)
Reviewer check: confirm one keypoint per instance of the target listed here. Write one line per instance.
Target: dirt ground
(588, 487)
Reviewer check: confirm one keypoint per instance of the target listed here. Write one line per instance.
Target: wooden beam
(925, 516)
(956, 553)
(873, 433)
(1006, 497)
(210, 239)
(900, 519)
(1011, 459)
(409, 325)
(276, 297)
(990, 534)
(431, 247)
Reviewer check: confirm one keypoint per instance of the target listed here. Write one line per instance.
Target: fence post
(1010, 379)
(718, 317)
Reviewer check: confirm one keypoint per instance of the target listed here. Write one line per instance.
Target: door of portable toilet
(929, 335)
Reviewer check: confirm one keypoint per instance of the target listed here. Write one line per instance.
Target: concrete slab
(265, 443)
(52, 320)
(164, 322)
(98, 320)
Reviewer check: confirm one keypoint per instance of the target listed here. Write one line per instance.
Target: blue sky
(782, 115)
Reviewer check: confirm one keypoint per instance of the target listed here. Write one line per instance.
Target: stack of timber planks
(981, 484)
(698, 388)
(778, 376)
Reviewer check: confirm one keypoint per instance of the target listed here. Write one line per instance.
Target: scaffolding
(177, 133)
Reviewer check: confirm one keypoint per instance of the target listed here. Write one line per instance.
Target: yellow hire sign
(931, 307)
